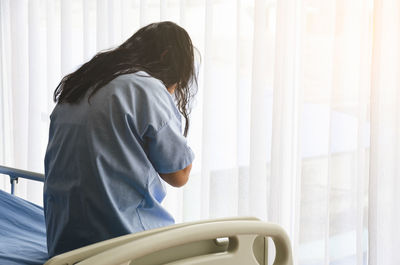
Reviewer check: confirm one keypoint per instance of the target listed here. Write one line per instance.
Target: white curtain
(384, 195)
(297, 118)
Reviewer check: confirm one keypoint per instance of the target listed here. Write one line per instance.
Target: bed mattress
(22, 231)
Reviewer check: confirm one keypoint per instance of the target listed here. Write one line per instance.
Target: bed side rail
(15, 173)
(242, 239)
(80, 254)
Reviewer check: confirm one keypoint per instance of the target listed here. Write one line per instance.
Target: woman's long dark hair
(164, 50)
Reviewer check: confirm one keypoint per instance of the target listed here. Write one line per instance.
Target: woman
(115, 131)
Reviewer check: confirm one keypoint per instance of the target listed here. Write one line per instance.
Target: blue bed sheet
(22, 231)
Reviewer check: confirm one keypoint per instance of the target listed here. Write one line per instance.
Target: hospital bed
(241, 240)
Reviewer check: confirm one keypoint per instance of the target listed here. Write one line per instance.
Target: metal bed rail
(15, 173)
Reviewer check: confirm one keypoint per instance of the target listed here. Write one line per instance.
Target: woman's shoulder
(142, 87)
(146, 95)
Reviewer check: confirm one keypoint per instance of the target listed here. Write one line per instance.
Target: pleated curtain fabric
(384, 182)
(296, 121)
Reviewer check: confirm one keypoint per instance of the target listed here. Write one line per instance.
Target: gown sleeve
(168, 150)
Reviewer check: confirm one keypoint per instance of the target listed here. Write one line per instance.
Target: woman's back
(103, 159)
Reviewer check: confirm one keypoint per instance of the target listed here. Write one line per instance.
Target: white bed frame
(228, 241)
(211, 242)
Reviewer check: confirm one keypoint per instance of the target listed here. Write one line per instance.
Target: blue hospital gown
(103, 159)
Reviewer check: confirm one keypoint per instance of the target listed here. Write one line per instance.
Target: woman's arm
(178, 178)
